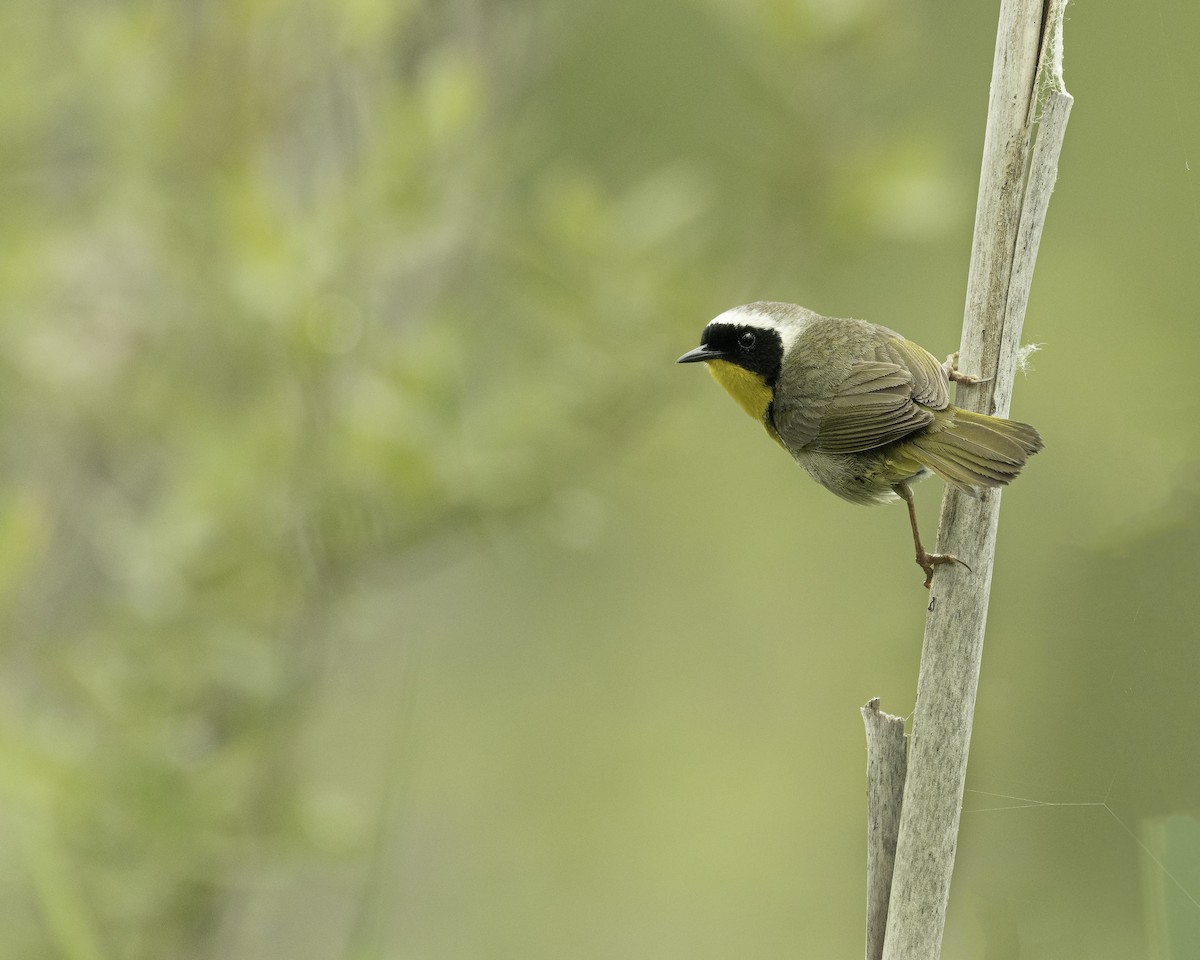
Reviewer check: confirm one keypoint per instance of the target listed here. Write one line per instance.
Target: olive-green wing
(930, 385)
(882, 399)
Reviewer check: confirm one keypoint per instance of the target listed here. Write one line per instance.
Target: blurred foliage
(354, 595)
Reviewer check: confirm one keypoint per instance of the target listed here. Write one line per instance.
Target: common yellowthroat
(863, 410)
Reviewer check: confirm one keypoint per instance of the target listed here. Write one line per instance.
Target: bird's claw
(928, 561)
(954, 375)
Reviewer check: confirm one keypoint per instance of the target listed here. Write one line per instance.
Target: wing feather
(889, 387)
(883, 400)
(930, 385)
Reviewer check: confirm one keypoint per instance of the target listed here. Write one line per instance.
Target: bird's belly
(865, 478)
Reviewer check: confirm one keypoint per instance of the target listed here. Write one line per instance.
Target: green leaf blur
(373, 584)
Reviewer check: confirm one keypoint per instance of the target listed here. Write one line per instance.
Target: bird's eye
(746, 341)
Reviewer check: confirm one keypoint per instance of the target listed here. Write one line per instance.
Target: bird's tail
(973, 449)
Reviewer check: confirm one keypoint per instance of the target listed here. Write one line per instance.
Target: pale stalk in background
(886, 761)
(1014, 192)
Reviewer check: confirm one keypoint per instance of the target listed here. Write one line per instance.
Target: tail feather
(988, 443)
(973, 449)
(951, 467)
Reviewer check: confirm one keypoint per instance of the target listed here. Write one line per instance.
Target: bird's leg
(925, 560)
(956, 376)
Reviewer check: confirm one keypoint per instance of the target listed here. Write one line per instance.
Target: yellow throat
(748, 389)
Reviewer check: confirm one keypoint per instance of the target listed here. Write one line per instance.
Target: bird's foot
(927, 562)
(957, 376)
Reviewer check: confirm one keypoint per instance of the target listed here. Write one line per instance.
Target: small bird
(863, 410)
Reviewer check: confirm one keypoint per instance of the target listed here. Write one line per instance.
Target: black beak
(700, 353)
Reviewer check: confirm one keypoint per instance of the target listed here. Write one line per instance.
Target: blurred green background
(373, 584)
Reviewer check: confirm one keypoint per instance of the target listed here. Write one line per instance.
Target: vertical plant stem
(1013, 193)
(886, 763)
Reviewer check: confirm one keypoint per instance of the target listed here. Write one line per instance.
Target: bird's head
(744, 349)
